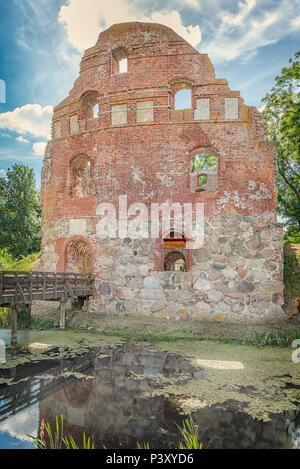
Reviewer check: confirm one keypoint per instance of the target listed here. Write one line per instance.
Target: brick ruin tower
(147, 118)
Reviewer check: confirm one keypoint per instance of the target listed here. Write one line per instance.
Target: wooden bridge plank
(25, 287)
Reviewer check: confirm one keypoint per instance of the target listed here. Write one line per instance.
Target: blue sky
(41, 43)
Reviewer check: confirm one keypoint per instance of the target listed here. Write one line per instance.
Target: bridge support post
(28, 310)
(14, 325)
(62, 314)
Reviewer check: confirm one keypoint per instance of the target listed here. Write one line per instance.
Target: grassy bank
(162, 330)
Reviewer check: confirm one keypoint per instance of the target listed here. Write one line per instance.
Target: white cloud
(229, 30)
(39, 148)
(85, 20)
(2, 173)
(296, 23)
(239, 18)
(22, 140)
(192, 34)
(14, 425)
(30, 119)
(243, 33)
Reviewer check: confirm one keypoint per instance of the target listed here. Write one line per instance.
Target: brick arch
(179, 84)
(171, 257)
(87, 102)
(202, 148)
(212, 175)
(118, 54)
(81, 181)
(77, 255)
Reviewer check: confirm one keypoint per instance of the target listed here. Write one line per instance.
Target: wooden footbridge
(22, 288)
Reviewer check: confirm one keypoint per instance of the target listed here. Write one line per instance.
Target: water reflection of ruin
(29, 388)
(103, 394)
(113, 408)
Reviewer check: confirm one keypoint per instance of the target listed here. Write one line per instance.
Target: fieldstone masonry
(139, 145)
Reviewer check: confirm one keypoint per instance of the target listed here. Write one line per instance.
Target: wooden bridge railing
(22, 288)
(25, 287)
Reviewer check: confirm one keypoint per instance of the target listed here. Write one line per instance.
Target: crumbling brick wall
(121, 133)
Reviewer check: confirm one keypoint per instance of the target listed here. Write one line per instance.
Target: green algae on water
(259, 389)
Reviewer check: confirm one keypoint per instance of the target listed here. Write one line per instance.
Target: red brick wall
(150, 162)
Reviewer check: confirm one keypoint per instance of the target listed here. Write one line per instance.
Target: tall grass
(56, 439)
(262, 339)
(190, 434)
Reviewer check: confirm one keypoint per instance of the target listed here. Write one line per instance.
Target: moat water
(104, 390)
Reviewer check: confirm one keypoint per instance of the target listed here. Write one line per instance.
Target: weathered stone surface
(158, 306)
(271, 266)
(246, 287)
(202, 307)
(242, 272)
(230, 273)
(252, 244)
(272, 286)
(104, 289)
(152, 282)
(202, 255)
(218, 266)
(105, 261)
(267, 253)
(260, 275)
(183, 314)
(151, 294)
(234, 295)
(202, 285)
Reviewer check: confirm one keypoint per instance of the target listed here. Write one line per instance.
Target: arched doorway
(78, 257)
(175, 261)
(175, 253)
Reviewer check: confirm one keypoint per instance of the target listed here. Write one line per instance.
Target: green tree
(20, 212)
(283, 114)
(203, 161)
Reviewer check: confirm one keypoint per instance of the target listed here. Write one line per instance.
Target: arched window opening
(119, 61)
(183, 99)
(175, 252)
(204, 172)
(176, 235)
(78, 257)
(123, 65)
(96, 111)
(89, 105)
(204, 162)
(175, 261)
(202, 180)
(179, 265)
(81, 184)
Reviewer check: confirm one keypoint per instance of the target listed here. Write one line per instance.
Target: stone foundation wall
(236, 275)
